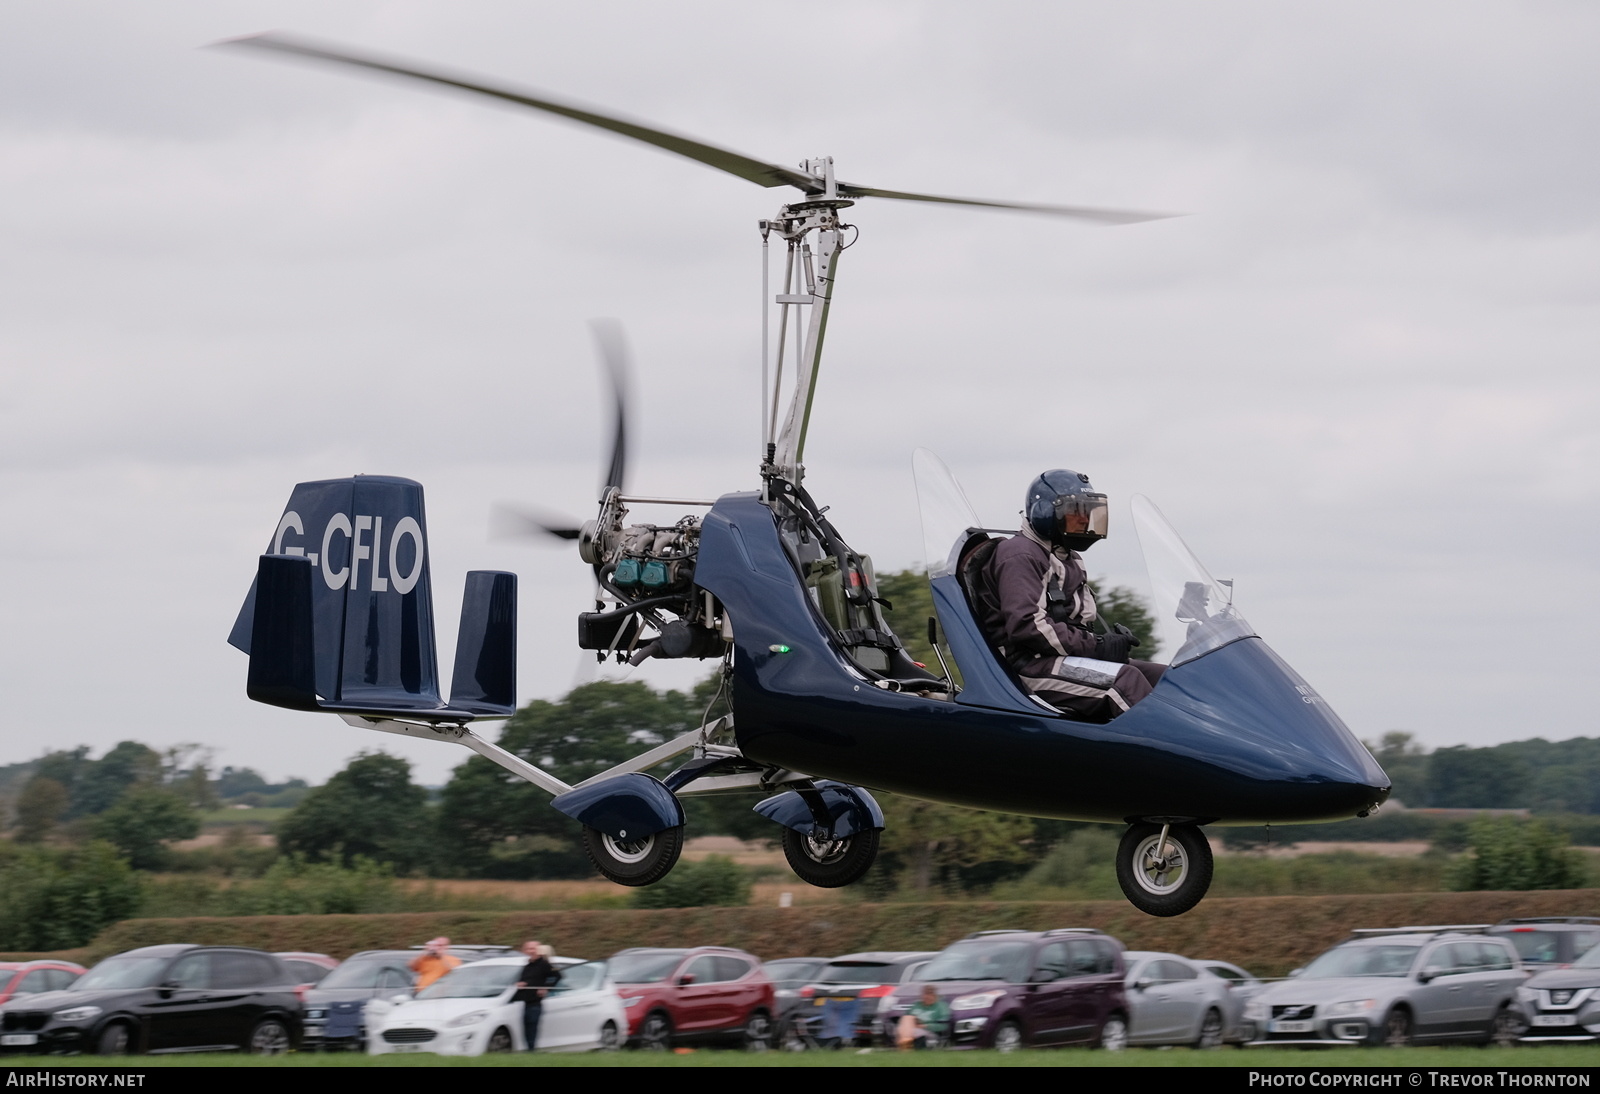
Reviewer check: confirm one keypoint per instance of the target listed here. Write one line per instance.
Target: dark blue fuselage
(1235, 736)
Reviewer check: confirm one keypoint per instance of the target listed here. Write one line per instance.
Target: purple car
(1011, 989)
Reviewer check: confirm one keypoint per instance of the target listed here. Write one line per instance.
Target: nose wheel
(633, 860)
(1164, 869)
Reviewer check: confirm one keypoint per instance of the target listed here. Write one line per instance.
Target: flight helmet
(1065, 511)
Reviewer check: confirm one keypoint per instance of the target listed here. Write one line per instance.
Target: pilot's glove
(1112, 647)
(1122, 629)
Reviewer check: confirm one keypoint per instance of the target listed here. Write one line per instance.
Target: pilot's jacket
(1046, 612)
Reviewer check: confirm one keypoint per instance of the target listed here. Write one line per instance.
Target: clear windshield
(123, 972)
(473, 982)
(946, 512)
(1387, 960)
(363, 974)
(645, 968)
(1194, 611)
(980, 961)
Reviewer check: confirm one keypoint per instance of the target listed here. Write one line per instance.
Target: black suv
(172, 998)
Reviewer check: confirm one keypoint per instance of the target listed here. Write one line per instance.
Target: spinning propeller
(817, 183)
(525, 521)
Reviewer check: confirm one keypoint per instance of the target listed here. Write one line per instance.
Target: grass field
(1409, 1059)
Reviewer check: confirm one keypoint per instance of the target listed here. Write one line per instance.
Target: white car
(472, 1010)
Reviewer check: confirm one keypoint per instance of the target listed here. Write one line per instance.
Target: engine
(649, 606)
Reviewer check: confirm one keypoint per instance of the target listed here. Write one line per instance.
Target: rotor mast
(810, 268)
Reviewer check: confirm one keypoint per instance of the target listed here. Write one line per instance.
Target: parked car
(336, 1008)
(1399, 987)
(473, 1010)
(1174, 1001)
(173, 998)
(1008, 989)
(311, 968)
(1549, 942)
(1242, 987)
(708, 995)
(788, 976)
(842, 1003)
(1563, 1004)
(19, 978)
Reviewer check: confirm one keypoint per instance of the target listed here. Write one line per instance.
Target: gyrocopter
(826, 705)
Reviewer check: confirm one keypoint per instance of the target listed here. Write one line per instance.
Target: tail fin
(340, 617)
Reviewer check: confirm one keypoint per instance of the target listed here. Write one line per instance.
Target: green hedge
(1268, 935)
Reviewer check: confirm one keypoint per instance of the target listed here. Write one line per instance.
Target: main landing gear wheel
(630, 860)
(830, 863)
(1164, 877)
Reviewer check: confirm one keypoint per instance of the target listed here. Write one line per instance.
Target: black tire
(758, 1032)
(830, 864)
(655, 1034)
(610, 1037)
(269, 1038)
(500, 1041)
(1113, 1035)
(1008, 1037)
(790, 1038)
(634, 861)
(1168, 885)
(115, 1040)
(1396, 1031)
(1505, 1030)
(1211, 1030)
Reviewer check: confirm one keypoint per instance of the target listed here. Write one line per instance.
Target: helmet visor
(1082, 515)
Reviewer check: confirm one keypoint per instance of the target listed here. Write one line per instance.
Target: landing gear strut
(1164, 869)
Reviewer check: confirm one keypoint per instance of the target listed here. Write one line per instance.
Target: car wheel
(789, 1038)
(1008, 1038)
(634, 860)
(610, 1039)
(1397, 1028)
(1210, 1031)
(115, 1040)
(758, 1032)
(656, 1033)
(1114, 1034)
(269, 1038)
(830, 863)
(500, 1041)
(1506, 1028)
(1164, 877)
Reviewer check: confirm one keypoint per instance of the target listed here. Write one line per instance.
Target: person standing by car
(434, 961)
(538, 977)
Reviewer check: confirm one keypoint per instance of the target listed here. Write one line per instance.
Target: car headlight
(981, 1000)
(314, 1014)
(468, 1019)
(1256, 1012)
(1528, 995)
(76, 1014)
(1352, 1006)
(631, 1000)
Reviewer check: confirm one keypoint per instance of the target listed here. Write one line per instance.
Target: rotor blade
(613, 348)
(1080, 212)
(762, 174)
(520, 522)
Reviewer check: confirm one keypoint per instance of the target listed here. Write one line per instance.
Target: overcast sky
(1360, 377)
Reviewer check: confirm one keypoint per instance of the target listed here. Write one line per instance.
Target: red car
(707, 995)
(32, 977)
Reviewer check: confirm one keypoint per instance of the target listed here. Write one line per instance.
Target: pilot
(1041, 612)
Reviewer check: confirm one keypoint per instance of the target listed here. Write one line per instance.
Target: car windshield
(5, 978)
(1386, 960)
(859, 972)
(473, 982)
(362, 974)
(123, 972)
(1541, 946)
(980, 961)
(644, 968)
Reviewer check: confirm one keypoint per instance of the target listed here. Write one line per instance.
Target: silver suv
(1401, 986)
